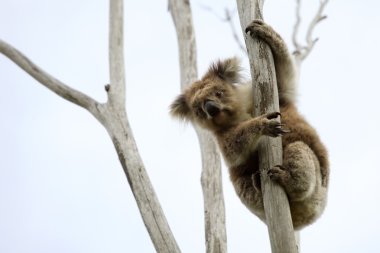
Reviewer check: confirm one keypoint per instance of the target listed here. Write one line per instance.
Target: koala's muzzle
(211, 108)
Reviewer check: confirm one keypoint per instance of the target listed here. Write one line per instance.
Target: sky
(62, 188)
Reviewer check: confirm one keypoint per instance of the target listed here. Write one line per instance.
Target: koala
(222, 103)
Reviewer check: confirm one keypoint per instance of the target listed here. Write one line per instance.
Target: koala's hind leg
(298, 174)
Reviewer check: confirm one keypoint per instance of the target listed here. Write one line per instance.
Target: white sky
(62, 188)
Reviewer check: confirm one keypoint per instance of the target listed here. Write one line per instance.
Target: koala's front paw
(271, 126)
(257, 28)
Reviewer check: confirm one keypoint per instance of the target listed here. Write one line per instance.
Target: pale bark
(276, 204)
(211, 179)
(116, 93)
(112, 116)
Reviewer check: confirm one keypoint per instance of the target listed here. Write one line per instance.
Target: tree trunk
(265, 99)
(211, 179)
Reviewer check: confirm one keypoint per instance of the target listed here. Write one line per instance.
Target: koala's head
(212, 102)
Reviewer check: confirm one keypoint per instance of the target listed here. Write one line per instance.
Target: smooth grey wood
(211, 178)
(265, 94)
(112, 116)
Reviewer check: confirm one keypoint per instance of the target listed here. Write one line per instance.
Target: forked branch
(113, 117)
(301, 52)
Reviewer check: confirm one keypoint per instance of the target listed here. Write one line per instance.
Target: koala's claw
(271, 126)
(283, 131)
(277, 173)
(274, 128)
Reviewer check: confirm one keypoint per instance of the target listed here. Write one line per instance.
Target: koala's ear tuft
(228, 70)
(180, 109)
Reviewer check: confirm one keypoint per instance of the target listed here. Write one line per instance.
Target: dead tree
(211, 179)
(112, 115)
(265, 94)
(280, 227)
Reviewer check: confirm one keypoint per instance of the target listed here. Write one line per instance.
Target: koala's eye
(219, 94)
(198, 111)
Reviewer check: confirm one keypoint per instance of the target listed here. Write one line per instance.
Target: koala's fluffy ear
(180, 109)
(227, 70)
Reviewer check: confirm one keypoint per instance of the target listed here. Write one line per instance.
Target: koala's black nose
(211, 108)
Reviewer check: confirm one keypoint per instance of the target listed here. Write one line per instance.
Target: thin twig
(297, 46)
(301, 52)
(228, 19)
(212, 11)
(317, 18)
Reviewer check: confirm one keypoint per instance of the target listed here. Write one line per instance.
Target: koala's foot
(271, 127)
(279, 174)
(257, 28)
(298, 173)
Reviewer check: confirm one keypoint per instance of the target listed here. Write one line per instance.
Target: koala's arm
(286, 71)
(238, 142)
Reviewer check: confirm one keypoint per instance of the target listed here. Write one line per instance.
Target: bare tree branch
(265, 99)
(112, 116)
(116, 93)
(182, 19)
(301, 52)
(211, 166)
(154, 219)
(211, 180)
(297, 24)
(116, 122)
(317, 18)
(47, 80)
